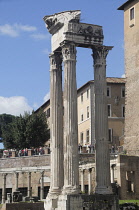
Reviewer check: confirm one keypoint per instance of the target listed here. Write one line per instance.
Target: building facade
(86, 113)
(116, 109)
(131, 40)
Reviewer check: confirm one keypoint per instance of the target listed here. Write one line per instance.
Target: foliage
(29, 130)
(129, 201)
(5, 119)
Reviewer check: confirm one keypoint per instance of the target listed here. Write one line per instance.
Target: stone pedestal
(87, 202)
(13, 153)
(29, 152)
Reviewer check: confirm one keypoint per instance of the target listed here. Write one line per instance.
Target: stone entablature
(66, 27)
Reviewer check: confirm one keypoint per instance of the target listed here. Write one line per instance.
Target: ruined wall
(129, 176)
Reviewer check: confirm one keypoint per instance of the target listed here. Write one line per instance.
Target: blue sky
(25, 46)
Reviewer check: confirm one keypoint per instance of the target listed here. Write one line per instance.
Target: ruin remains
(68, 33)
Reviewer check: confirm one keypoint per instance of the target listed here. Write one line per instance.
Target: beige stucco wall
(131, 38)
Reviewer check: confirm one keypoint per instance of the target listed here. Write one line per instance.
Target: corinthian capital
(68, 51)
(100, 53)
(56, 60)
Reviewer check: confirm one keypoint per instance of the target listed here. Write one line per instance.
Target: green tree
(29, 130)
(37, 132)
(5, 119)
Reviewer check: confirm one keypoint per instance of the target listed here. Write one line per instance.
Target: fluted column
(82, 180)
(89, 181)
(16, 181)
(112, 173)
(71, 161)
(56, 113)
(42, 186)
(103, 185)
(29, 184)
(4, 188)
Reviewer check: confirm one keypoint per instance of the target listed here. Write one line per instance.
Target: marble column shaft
(82, 181)
(112, 174)
(4, 188)
(16, 181)
(89, 181)
(42, 186)
(103, 185)
(29, 184)
(71, 160)
(56, 113)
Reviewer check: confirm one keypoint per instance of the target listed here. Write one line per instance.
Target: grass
(129, 201)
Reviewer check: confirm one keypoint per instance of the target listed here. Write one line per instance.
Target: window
(88, 112)
(81, 137)
(132, 13)
(23, 190)
(87, 136)
(130, 181)
(110, 134)
(109, 110)
(81, 97)
(81, 117)
(48, 113)
(123, 111)
(122, 92)
(108, 91)
(87, 93)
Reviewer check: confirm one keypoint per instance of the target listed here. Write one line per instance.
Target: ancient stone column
(112, 173)
(56, 113)
(103, 185)
(82, 181)
(71, 161)
(42, 186)
(16, 181)
(89, 181)
(4, 188)
(29, 184)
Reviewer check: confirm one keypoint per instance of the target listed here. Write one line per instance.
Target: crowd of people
(24, 152)
(89, 148)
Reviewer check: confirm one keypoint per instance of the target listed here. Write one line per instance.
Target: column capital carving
(55, 61)
(29, 173)
(68, 51)
(90, 170)
(82, 170)
(16, 173)
(4, 175)
(99, 54)
(42, 173)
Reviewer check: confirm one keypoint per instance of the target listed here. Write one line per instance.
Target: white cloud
(25, 27)
(40, 36)
(46, 97)
(46, 51)
(123, 76)
(15, 29)
(15, 105)
(8, 30)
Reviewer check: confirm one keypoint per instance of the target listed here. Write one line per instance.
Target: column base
(50, 203)
(87, 202)
(70, 190)
(103, 190)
